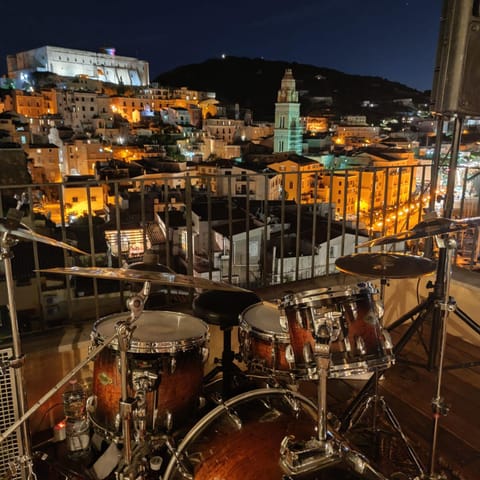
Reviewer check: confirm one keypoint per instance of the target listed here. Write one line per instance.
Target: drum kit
(154, 414)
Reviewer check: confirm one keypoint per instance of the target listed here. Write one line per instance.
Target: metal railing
(282, 227)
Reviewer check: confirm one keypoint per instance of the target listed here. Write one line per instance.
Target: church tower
(287, 135)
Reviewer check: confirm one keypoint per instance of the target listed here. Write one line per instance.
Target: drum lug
(91, 404)
(307, 353)
(299, 319)
(168, 421)
(233, 416)
(283, 320)
(347, 344)
(205, 352)
(360, 344)
(387, 340)
(294, 404)
(290, 356)
(173, 365)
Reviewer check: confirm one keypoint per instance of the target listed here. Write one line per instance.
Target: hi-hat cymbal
(163, 278)
(26, 233)
(386, 265)
(427, 228)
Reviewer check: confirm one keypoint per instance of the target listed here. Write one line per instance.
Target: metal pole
(450, 195)
(439, 407)
(18, 358)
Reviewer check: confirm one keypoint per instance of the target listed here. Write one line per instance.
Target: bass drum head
(241, 439)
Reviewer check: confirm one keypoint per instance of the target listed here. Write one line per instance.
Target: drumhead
(241, 440)
(156, 331)
(313, 297)
(263, 318)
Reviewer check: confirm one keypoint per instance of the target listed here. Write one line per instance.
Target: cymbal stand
(370, 399)
(7, 241)
(124, 329)
(439, 407)
(439, 304)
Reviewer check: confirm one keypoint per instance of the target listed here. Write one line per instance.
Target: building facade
(104, 66)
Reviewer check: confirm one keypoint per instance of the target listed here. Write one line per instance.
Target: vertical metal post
(452, 169)
(18, 359)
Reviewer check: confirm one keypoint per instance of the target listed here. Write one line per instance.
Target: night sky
(393, 39)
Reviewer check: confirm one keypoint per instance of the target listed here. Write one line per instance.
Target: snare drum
(264, 345)
(165, 358)
(358, 343)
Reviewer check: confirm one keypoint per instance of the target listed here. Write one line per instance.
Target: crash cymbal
(385, 265)
(427, 228)
(26, 233)
(125, 274)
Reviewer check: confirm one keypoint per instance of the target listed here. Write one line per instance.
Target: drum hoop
(267, 335)
(207, 419)
(141, 346)
(309, 297)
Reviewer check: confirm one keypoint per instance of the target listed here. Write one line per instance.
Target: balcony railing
(198, 227)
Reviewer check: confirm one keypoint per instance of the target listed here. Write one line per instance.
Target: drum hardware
(223, 308)
(217, 447)
(300, 457)
(358, 343)
(125, 329)
(437, 306)
(389, 265)
(11, 231)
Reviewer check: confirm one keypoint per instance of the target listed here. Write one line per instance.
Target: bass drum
(166, 357)
(241, 440)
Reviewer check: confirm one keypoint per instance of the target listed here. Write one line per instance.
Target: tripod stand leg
(409, 315)
(365, 392)
(396, 425)
(466, 319)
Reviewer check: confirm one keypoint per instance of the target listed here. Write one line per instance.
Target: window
(74, 199)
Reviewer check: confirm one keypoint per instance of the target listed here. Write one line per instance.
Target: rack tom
(352, 315)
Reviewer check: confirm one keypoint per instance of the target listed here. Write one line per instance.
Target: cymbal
(125, 274)
(27, 233)
(427, 228)
(386, 265)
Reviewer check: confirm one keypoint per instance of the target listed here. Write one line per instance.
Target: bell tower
(288, 131)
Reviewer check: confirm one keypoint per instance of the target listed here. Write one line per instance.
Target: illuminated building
(104, 66)
(288, 130)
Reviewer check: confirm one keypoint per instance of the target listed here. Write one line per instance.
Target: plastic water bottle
(77, 424)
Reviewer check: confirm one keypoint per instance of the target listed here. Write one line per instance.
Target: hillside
(253, 84)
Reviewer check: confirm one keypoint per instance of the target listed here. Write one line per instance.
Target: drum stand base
(302, 457)
(377, 406)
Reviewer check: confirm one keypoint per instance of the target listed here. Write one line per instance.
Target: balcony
(277, 246)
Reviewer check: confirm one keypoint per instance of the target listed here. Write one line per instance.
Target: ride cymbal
(386, 265)
(125, 274)
(427, 228)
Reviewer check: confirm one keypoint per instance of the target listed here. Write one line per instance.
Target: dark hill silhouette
(253, 83)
